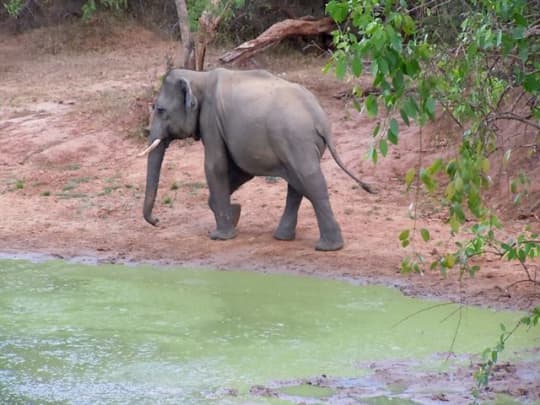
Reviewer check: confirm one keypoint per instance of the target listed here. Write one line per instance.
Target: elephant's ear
(190, 101)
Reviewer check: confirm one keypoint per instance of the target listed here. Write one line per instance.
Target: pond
(85, 334)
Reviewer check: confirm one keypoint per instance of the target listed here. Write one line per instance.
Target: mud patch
(408, 383)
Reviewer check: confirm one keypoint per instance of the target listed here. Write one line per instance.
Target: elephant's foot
(280, 234)
(326, 245)
(228, 231)
(286, 229)
(223, 235)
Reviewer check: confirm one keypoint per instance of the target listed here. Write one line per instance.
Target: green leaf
(523, 51)
(531, 82)
(372, 27)
(412, 67)
(425, 234)
(519, 32)
(449, 261)
(404, 116)
(458, 212)
(371, 105)
(435, 167)
(409, 177)
(428, 181)
(382, 65)
(411, 108)
(398, 82)
(409, 27)
(393, 131)
(404, 235)
(375, 70)
(356, 66)
(383, 147)
(341, 66)
(450, 191)
(513, 186)
(376, 129)
(458, 184)
(326, 68)
(430, 107)
(395, 40)
(486, 353)
(372, 155)
(454, 223)
(475, 202)
(405, 266)
(337, 10)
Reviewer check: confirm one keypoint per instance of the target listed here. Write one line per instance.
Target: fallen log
(276, 33)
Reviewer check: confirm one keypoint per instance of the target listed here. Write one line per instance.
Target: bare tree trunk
(185, 32)
(277, 32)
(208, 24)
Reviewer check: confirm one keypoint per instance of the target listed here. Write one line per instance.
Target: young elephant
(251, 123)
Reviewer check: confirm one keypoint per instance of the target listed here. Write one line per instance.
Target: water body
(90, 334)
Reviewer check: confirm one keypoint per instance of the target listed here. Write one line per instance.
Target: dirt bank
(70, 184)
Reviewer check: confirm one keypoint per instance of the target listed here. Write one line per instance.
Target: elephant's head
(175, 116)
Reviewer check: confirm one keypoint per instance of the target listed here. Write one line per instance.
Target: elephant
(251, 123)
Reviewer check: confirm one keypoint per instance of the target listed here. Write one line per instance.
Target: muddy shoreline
(401, 283)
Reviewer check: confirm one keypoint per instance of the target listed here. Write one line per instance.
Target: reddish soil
(71, 186)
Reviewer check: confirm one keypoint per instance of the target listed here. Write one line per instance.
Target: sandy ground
(71, 186)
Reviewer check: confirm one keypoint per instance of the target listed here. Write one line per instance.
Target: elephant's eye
(159, 110)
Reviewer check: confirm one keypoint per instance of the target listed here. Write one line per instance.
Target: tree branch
(510, 116)
(275, 34)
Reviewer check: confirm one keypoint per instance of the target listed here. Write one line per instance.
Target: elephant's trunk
(155, 158)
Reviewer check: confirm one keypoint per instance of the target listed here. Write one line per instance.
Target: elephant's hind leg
(330, 232)
(286, 229)
(312, 184)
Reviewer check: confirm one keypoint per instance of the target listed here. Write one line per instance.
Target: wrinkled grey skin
(251, 124)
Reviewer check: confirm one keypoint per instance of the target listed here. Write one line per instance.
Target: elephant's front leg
(216, 170)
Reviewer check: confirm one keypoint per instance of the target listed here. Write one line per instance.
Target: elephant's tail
(336, 157)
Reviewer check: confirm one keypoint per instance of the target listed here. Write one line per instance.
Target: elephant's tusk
(153, 146)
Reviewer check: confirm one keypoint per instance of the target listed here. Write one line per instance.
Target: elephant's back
(266, 119)
(259, 95)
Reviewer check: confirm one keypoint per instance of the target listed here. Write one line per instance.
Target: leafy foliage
(14, 7)
(476, 81)
(90, 7)
(487, 73)
(490, 356)
(197, 7)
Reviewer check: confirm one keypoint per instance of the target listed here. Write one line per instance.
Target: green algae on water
(113, 333)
